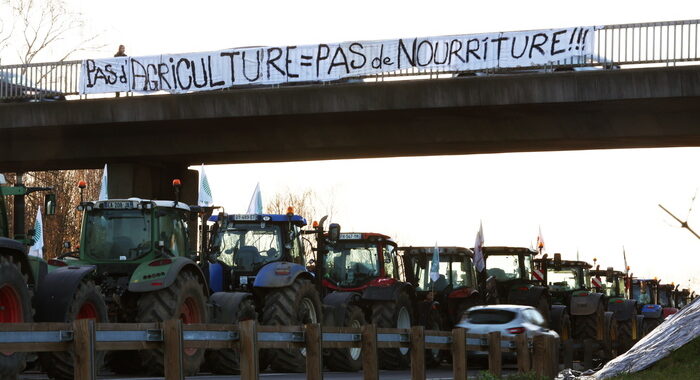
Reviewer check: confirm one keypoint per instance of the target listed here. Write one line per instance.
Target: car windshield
(117, 234)
(490, 316)
(247, 247)
(564, 279)
(351, 264)
(452, 272)
(503, 267)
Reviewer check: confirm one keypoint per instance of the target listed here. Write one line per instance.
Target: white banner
(180, 73)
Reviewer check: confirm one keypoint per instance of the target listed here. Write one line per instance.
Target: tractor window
(390, 261)
(563, 280)
(641, 294)
(247, 247)
(172, 232)
(460, 272)
(663, 298)
(116, 234)
(297, 250)
(503, 267)
(351, 264)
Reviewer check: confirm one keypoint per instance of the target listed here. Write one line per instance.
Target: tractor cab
(681, 297)
(357, 261)
(645, 291)
(564, 278)
(246, 246)
(455, 290)
(666, 299)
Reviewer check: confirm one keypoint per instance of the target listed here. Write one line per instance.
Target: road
(444, 372)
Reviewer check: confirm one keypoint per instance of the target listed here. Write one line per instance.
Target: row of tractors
(152, 260)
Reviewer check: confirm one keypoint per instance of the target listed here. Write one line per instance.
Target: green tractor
(20, 274)
(140, 255)
(569, 283)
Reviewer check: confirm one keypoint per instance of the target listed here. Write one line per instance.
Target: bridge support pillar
(152, 181)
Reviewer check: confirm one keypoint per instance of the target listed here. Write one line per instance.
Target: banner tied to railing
(179, 73)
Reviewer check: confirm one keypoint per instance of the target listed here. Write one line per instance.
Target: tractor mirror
(334, 232)
(50, 204)
(66, 244)
(609, 275)
(557, 261)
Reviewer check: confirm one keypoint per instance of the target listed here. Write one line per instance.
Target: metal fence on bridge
(626, 45)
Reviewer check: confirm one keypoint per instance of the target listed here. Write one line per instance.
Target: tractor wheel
(292, 305)
(347, 359)
(586, 326)
(610, 336)
(433, 356)
(624, 335)
(227, 361)
(87, 303)
(15, 307)
(184, 299)
(124, 362)
(565, 328)
(393, 314)
(650, 324)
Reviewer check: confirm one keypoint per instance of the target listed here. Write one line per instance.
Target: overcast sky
(591, 201)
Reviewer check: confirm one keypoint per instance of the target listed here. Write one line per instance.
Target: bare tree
(306, 203)
(46, 27)
(65, 225)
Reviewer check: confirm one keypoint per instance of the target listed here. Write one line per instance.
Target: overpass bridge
(149, 139)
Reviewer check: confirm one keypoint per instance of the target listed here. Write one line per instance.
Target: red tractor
(361, 284)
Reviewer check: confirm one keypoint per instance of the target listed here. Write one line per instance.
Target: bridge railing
(668, 43)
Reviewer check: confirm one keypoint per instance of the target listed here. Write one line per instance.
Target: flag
(540, 241)
(205, 197)
(435, 264)
(255, 205)
(478, 249)
(104, 195)
(624, 256)
(38, 246)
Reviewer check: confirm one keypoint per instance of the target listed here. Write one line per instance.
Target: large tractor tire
(610, 347)
(15, 307)
(565, 327)
(624, 335)
(393, 314)
(586, 326)
(347, 359)
(293, 305)
(87, 303)
(227, 361)
(650, 324)
(184, 299)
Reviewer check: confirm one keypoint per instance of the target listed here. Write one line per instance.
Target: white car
(509, 320)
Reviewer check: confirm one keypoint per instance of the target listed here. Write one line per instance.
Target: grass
(684, 363)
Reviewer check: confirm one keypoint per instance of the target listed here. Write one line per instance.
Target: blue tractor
(257, 270)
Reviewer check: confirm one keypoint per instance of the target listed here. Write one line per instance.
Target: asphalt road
(444, 372)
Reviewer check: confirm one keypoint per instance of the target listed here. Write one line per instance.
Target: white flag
(478, 249)
(540, 241)
(255, 205)
(37, 248)
(205, 197)
(435, 264)
(104, 195)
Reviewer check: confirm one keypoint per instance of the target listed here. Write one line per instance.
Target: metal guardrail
(624, 45)
(84, 337)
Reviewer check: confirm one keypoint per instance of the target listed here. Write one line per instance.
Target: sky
(593, 202)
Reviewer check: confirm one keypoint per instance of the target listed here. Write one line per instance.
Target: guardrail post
(495, 353)
(173, 346)
(459, 354)
(84, 349)
(538, 354)
(522, 352)
(370, 369)
(553, 356)
(314, 356)
(417, 353)
(568, 353)
(600, 327)
(249, 350)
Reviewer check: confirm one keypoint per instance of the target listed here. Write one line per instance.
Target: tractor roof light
(82, 184)
(314, 224)
(177, 183)
(290, 211)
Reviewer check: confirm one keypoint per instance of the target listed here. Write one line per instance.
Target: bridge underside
(519, 113)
